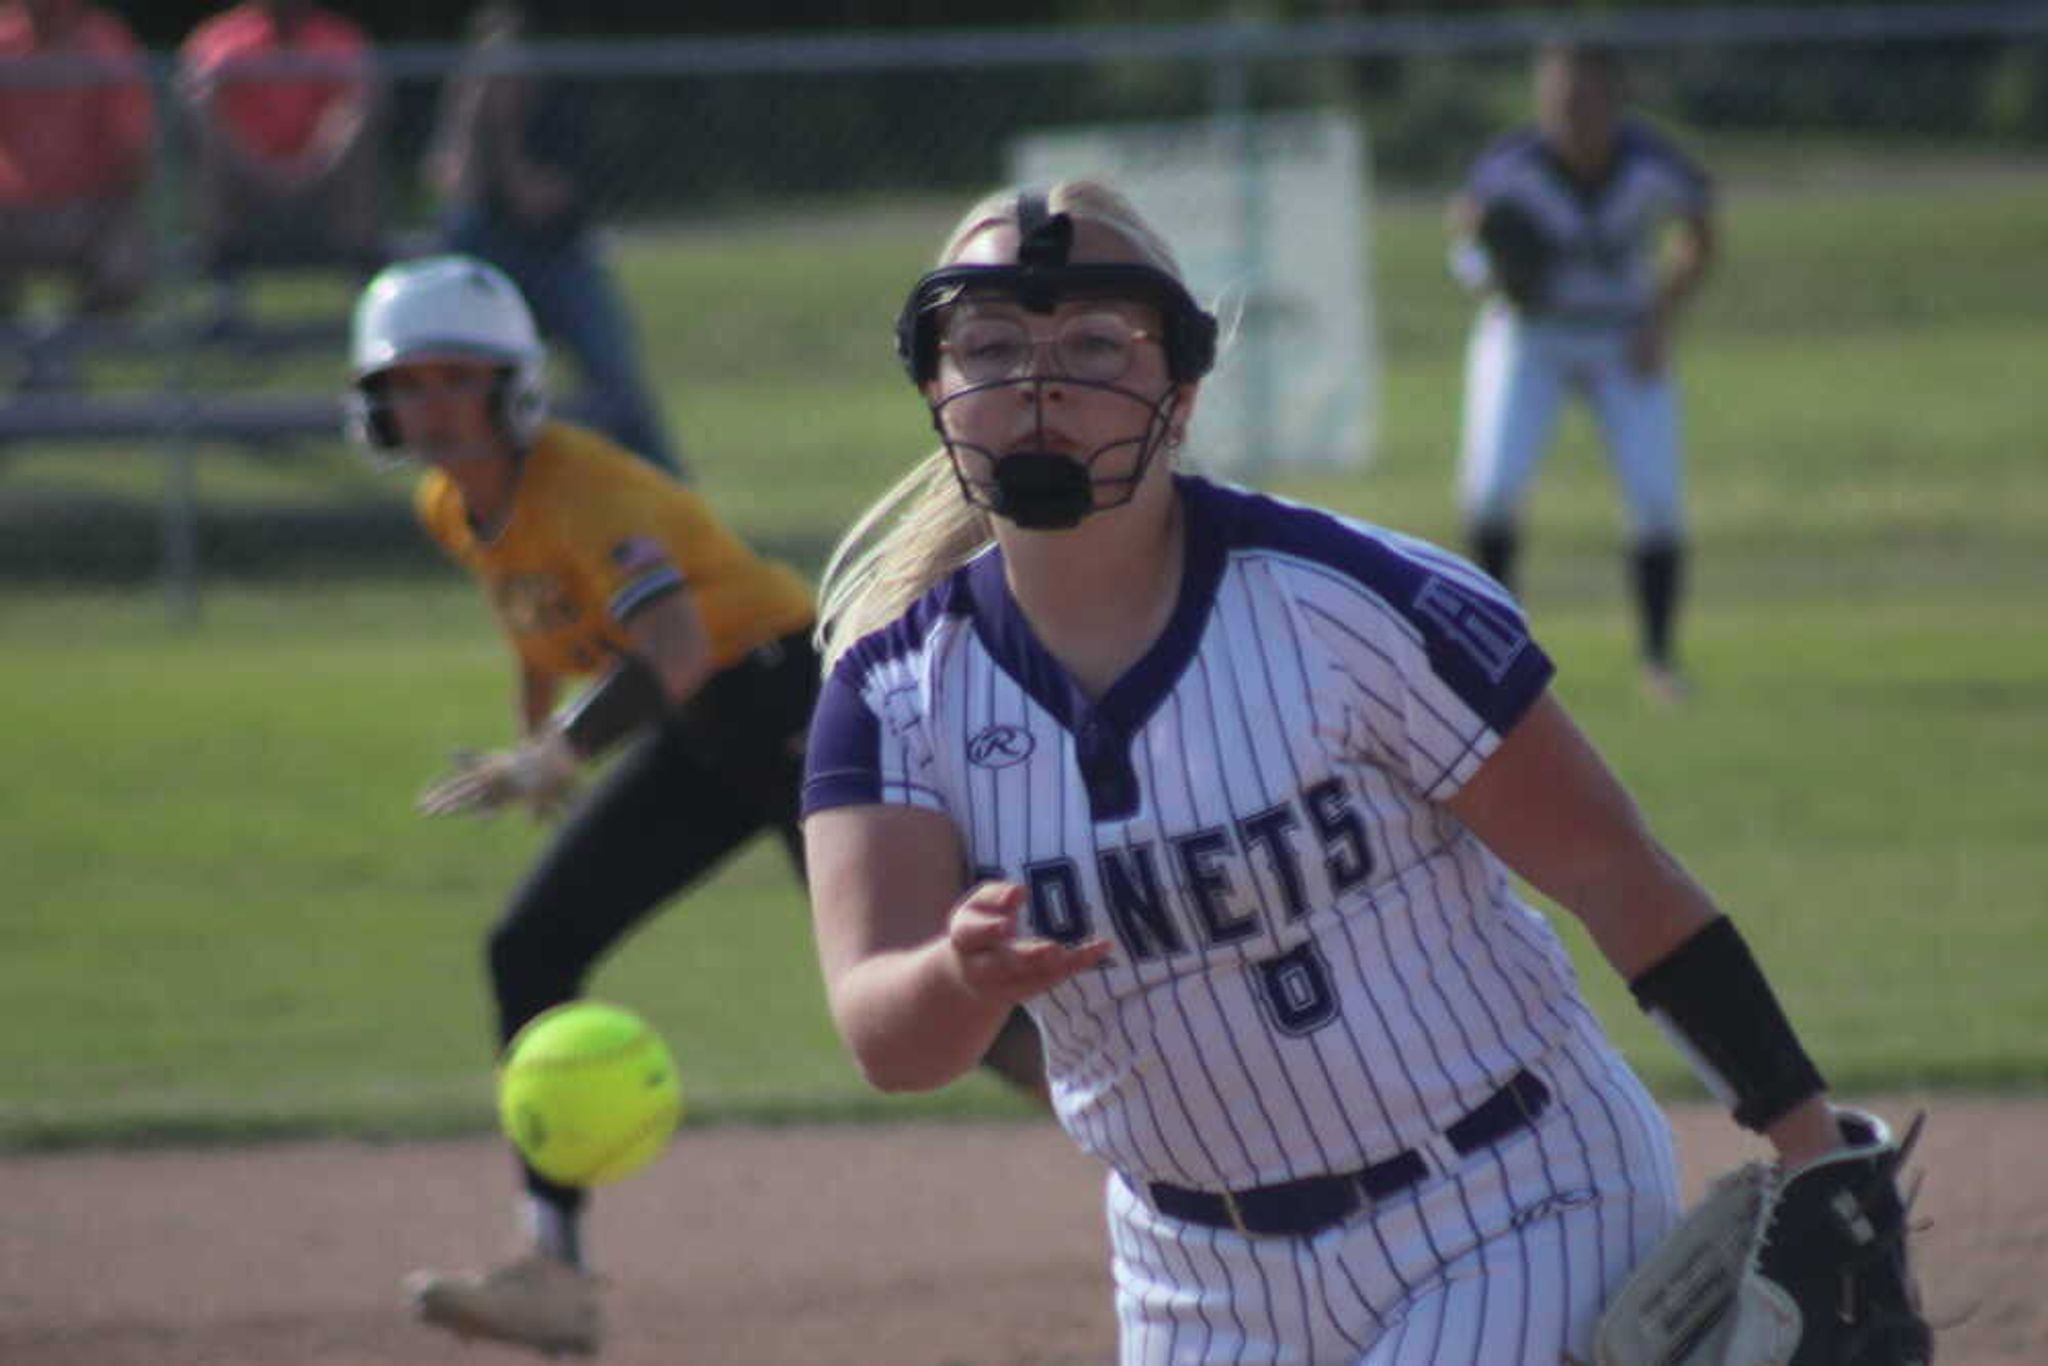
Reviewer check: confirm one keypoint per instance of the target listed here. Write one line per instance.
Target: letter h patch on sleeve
(1486, 632)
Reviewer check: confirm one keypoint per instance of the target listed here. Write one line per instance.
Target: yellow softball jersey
(594, 533)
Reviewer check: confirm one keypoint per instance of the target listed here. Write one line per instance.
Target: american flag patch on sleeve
(637, 553)
(645, 573)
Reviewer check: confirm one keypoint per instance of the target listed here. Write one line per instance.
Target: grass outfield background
(222, 921)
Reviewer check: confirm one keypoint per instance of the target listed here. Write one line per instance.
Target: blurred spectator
(507, 157)
(283, 100)
(76, 134)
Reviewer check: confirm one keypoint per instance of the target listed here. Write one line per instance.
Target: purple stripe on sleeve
(1476, 640)
(843, 764)
(636, 594)
(1495, 167)
(1647, 142)
(843, 761)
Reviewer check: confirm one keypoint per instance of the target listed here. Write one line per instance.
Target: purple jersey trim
(842, 763)
(1494, 170)
(1010, 642)
(1646, 140)
(842, 759)
(1103, 729)
(1494, 164)
(1475, 640)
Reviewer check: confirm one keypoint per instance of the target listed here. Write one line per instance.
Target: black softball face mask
(994, 348)
(990, 346)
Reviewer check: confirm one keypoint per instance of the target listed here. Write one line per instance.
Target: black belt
(1299, 1208)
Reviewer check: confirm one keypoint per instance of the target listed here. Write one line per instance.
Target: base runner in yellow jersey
(699, 668)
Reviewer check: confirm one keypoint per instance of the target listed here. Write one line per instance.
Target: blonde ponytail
(914, 535)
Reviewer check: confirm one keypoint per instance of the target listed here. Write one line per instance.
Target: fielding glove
(1805, 1267)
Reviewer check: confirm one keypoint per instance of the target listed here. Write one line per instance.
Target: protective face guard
(1045, 490)
(1037, 488)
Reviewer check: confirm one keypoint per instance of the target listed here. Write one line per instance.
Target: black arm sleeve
(1711, 996)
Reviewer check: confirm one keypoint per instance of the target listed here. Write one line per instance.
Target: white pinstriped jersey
(1315, 965)
(1605, 235)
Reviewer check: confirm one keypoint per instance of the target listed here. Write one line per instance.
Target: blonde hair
(923, 529)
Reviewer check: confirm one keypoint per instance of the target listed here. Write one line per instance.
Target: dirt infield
(953, 1245)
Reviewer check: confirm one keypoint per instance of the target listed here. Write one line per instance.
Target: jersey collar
(1122, 710)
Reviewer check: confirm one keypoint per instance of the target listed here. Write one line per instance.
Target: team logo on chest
(534, 604)
(1000, 746)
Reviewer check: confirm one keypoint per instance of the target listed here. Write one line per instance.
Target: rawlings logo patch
(1000, 746)
(533, 604)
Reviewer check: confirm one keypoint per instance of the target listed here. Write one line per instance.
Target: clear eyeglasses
(985, 348)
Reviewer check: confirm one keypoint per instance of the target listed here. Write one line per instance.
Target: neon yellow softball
(588, 1093)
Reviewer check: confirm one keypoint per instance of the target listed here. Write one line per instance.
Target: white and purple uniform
(1317, 968)
(1521, 365)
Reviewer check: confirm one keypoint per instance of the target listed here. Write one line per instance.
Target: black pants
(727, 764)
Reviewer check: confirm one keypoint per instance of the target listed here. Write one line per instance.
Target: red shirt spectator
(72, 137)
(277, 116)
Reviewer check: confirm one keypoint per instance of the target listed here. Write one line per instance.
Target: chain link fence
(756, 209)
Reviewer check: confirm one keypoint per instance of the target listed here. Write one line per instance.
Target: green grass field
(221, 919)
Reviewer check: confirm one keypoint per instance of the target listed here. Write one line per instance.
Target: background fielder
(1588, 313)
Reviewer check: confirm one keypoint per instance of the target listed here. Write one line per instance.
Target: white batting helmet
(443, 308)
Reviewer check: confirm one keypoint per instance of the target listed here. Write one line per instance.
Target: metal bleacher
(52, 396)
(240, 418)
(259, 366)
(187, 371)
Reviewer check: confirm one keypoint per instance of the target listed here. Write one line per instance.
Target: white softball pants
(1518, 373)
(1506, 1259)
